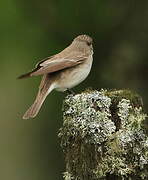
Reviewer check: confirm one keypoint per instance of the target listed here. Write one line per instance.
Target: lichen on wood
(102, 136)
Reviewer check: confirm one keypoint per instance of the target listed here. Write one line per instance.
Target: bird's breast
(73, 76)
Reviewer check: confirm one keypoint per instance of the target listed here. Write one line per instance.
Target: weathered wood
(103, 136)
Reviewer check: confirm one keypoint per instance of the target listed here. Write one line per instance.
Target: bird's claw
(70, 92)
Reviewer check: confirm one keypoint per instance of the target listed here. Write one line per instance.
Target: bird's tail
(45, 88)
(27, 75)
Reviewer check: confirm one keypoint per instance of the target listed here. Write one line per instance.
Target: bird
(61, 71)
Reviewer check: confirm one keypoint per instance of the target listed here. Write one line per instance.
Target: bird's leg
(69, 91)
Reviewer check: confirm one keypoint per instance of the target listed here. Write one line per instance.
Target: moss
(102, 136)
(118, 95)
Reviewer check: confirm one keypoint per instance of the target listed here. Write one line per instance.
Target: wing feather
(56, 64)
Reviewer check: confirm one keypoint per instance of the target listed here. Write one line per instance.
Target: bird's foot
(70, 92)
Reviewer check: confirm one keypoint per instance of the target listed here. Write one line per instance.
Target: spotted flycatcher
(62, 71)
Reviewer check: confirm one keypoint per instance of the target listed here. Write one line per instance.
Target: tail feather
(46, 87)
(34, 109)
(26, 75)
(29, 74)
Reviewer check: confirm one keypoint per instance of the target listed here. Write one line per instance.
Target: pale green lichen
(134, 118)
(123, 112)
(82, 119)
(103, 137)
(67, 176)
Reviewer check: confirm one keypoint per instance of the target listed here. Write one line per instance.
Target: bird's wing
(56, 63)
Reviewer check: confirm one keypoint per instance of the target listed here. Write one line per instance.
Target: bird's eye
(88, 43)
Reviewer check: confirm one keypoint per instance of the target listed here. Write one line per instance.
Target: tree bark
(103, 137)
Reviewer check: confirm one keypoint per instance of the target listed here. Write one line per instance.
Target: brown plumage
(62, 71)
(42, 94)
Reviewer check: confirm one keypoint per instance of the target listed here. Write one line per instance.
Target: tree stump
(103, 137)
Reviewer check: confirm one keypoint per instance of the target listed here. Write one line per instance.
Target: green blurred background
(32, 30)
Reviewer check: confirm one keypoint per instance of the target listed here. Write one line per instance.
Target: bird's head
(84, 42)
